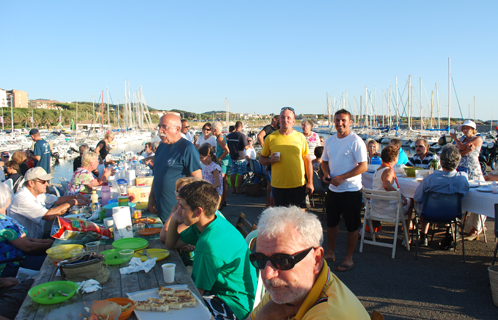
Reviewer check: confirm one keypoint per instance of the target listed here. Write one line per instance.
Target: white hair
(273, 222)
(218, 126)
(5, 195)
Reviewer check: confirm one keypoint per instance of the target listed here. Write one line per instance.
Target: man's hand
(177, 215)
(107, 173)
(81, 200)
(8, 282)
(310, 188)
(326, 178)
(337, 180)
(274, 158)
(152, 208)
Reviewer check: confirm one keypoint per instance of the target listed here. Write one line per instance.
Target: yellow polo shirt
(289, 171)
(328, 299)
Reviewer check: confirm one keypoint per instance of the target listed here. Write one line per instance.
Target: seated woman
(372, 149)
(14, 243)
(83, 180)
(385, 179)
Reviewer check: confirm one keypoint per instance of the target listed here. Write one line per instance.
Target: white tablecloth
(474, 201)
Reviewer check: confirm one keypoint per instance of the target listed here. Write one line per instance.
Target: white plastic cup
(418, 176)
(109, 222)
(277, 154)
(169, 272)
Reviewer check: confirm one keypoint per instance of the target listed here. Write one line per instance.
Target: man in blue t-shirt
(221, 269)
(174, 158)
(41, 154)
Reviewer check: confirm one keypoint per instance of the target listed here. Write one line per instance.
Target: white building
(3, 98)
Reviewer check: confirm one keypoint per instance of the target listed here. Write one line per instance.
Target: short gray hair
(307, 122)
(5, 195)
(450, 157)
(218, 126)
(273, 221)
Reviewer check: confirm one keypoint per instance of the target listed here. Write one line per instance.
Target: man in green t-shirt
(221, 270)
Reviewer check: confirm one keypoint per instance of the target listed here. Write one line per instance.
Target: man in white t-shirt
(184, 132)
(344, 159)
(32, 206)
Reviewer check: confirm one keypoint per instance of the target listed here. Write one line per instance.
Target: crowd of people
(191, 186)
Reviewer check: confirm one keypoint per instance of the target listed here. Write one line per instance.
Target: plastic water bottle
(95, 212)
(106, 193)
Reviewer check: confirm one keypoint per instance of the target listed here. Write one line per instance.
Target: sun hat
(37, 173)
(467, 123)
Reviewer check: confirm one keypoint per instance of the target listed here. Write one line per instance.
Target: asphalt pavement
(439, 285)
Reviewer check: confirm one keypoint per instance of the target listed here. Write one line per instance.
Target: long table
(117, 285)
(474, 201)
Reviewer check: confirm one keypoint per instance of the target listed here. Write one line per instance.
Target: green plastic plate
(41, 292)
(130, 243)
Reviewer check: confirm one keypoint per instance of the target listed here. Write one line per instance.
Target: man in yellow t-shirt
(287, 152)
(298, 281)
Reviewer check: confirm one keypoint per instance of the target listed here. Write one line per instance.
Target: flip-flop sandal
(344, 267)
(330, 259)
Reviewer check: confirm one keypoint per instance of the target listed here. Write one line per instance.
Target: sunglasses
(287, 108)
(207, 129)
(420, 146)
(281, 261)
(41, 181)
(249, 140)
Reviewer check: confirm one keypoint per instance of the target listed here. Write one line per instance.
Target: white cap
(37, 173)
(467, 123)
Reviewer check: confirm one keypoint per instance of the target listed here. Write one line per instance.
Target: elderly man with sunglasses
(298, 281)
(32, 206)
(422, 157)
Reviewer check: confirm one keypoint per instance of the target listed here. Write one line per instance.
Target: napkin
(136, 265)
(89, 286)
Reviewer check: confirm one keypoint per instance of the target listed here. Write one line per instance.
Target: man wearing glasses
(221, 269)
(176, 158)
(32, 206)
(185, 133)
(422, 157)
(287, 152)
(297, 279)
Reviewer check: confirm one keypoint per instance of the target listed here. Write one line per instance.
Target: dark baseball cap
(33, 131)
(5, 154)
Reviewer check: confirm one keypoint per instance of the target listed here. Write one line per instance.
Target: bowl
(126, 255)
(410, 171)
(67, 249)
(122, 302)
(41, 292)
(423, 172)
(76, 311)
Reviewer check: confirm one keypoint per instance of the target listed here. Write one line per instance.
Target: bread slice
(159, 307)
(142, 305)
(173, 304)
(187, 301)
(162, 291)
(182, 293)
(155, 300)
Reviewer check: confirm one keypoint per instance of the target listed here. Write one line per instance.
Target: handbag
(89, 266)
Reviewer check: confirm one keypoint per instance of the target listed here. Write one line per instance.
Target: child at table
(221, 269)
(212, 171)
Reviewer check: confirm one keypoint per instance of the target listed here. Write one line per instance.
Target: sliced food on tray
(168, 299)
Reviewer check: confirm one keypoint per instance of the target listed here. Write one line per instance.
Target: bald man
(176, 158)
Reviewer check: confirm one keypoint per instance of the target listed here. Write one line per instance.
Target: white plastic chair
(260, 288)
(396, 217)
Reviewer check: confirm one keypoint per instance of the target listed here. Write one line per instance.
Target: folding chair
(496, 231)
(396, 217)
(447, 208)
(320, 190)
(244, 226)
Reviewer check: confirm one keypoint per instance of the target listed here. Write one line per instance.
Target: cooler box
(141, 193)
(144, 181)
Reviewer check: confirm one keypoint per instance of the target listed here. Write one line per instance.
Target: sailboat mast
(449, 93)
(108, 114)
(227, 107)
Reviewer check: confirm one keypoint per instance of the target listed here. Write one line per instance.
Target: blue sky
(261, 55)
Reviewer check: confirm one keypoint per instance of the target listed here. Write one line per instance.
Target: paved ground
(436, 286)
